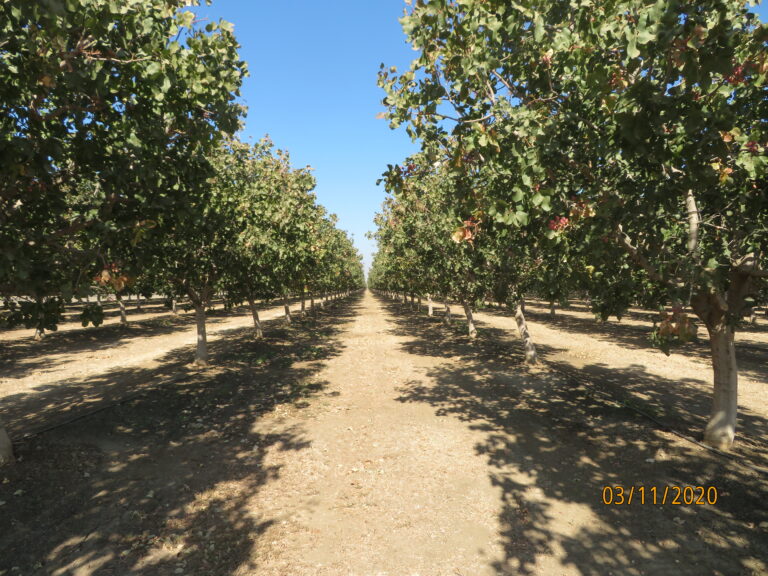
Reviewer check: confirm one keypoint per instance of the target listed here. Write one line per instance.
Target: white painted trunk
(6, 448)
(303, 305)
(256, 320)
(287, 309)
(721, 429)
(447, 316)
(201, 354)
(430, 305)
(522, 327)
(470, 321)
(174, 306)
(121, 305)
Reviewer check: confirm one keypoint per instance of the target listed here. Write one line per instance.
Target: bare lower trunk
(6, 448)
(552, 308)
(470, 320)
(530, 350)
(287, 309)
(447, 316)
(174, 306)
(201, 353)
(312, 302)
(256, 321)
(98, 298)
(39, 334)
(138, 302)
(721, 429)
(431, 306)
(303, 304)
(121, 305)
(418, 304)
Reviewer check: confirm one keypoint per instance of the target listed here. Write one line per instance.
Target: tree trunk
(201, 354)
(6, 447)
(470, 320)
(287, 309)
(721, 429)
(98, 299)
(551, 308)
(256, 320)
(312, 302)
(530, 350)
(138, 302)
(121, 305)
(174, 306)
(430, 304)
(418, 304)
(447, 316)
(303, 305)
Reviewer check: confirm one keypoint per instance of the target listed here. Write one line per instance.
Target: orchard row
(120, 171)
(614, 148)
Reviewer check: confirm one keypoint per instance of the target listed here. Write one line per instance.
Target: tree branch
(694, 219)
(638, 257)
(748, 265)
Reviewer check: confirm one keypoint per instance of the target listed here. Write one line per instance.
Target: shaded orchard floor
(160, 483)
(553, 443)
(373, 440)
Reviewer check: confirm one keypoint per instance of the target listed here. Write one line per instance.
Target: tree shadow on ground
(553, 445)
(164, 482)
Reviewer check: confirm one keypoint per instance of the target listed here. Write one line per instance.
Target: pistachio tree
(650, 113)
(101, 104)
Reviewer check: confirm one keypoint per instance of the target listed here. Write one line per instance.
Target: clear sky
(312, 88)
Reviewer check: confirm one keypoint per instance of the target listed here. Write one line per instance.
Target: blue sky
(312, 88)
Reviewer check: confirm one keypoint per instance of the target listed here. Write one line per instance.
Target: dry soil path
(386, 487)
(418, 453)
(426, 456)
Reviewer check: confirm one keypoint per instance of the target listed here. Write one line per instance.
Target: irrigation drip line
(666, 427)
(123, 399)
(105, 406)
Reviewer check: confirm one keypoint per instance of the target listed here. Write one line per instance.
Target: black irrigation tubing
(106, 406)
(666, 427)
(122, 400)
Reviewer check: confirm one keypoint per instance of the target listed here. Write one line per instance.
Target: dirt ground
(373, 440)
